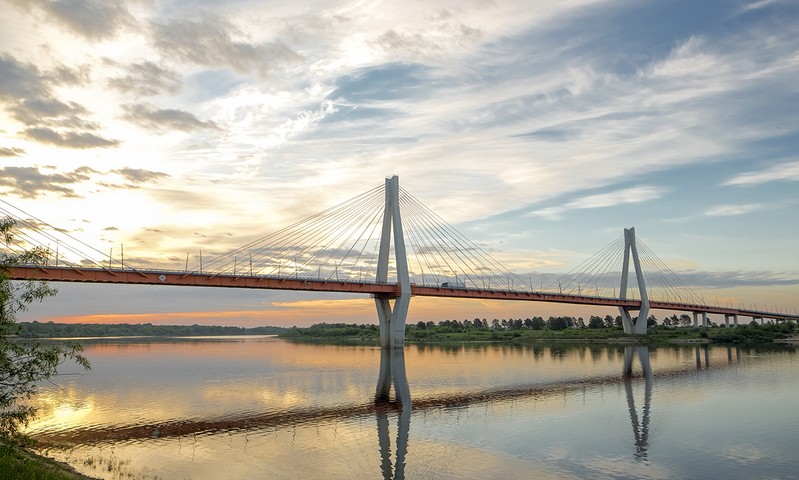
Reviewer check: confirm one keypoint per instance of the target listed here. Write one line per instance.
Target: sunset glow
(176, 129)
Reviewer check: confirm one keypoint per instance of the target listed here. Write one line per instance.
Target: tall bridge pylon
(638, 326)
(392, 319)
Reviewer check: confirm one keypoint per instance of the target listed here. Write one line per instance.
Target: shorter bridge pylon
(633, 326)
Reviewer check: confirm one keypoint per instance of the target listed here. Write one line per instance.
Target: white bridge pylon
(392, 319)
(638, 326)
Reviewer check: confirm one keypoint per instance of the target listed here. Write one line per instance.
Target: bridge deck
(196, 279)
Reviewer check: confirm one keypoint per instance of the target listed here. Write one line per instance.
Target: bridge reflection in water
(640, 428)
(392, 371)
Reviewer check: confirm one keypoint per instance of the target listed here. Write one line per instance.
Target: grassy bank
(17, 463)
(370, 334)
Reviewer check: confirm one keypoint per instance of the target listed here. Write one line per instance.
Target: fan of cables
(60, 248)
(342, 244)
(600, 276)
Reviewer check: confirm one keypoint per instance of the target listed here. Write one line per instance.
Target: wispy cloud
(68, 139)
(602, 200)
(94, 19)
(732, 210)
(784, 172)
(757, 5)
(211, 40)
(165, 119)
(146, 78)
(736, 278)
(11, 152)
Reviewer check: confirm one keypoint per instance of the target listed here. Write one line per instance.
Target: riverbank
(434, 334)
(18, 463)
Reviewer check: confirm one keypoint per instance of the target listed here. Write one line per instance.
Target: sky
(538, 129)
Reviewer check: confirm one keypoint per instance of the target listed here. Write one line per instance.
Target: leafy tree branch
(24, 364)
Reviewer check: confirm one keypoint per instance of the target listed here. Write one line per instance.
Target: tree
(23, 364)
(558, 323)
(528, 323)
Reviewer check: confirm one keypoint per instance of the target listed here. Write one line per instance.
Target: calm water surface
(260, 407)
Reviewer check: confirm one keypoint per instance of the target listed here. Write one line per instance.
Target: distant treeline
(536, 328)
(62, 330)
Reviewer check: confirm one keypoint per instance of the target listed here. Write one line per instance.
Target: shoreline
(23, 463)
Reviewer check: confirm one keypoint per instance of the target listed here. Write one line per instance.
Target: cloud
(138, 175)
(757, 5)
(133, 178)
(784, 172)
(93, 19)
(11, 152)
(68, 139)
(691, 58)
(28, 96)
(29, 182)
(33, 182)
(602, 200)
(738, 278)
(732, 210)
(50, 112)
(78, 76)
(165, 120)
(186, 199)
(428, 43)
(209, 40)
(20, 80)
(147, 79)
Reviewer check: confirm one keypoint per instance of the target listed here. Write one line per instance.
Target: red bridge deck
(196, 279)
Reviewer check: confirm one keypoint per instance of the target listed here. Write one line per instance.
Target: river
(262, 407)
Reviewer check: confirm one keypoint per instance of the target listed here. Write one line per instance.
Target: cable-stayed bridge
(387, 244)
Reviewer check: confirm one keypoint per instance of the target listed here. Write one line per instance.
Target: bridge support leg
(392, 320)
(735, 320)
(696, 319)
(638, 326)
